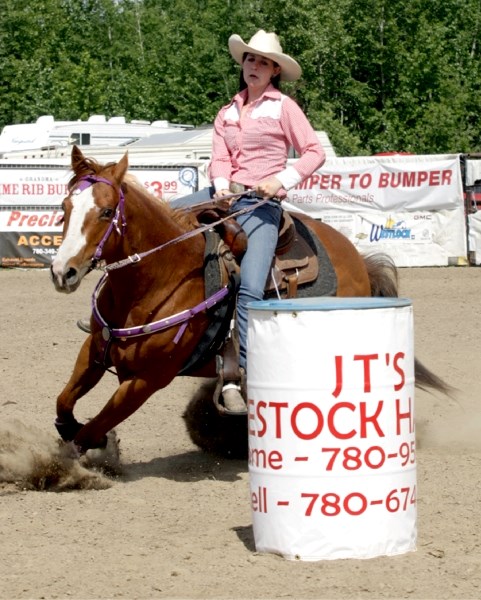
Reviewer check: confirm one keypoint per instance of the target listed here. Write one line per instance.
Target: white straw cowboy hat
(268, 45)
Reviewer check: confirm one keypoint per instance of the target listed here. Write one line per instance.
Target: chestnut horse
(150, 310)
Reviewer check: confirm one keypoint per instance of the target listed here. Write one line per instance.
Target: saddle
(295, 262)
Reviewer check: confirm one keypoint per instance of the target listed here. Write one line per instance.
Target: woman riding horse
(252, 137)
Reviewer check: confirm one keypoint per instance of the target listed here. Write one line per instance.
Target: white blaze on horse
(66, 280)
(153, 308)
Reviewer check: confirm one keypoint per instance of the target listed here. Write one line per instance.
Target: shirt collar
(269, 92)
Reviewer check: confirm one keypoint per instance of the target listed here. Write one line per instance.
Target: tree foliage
(378, 75)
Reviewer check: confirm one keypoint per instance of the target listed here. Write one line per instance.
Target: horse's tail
(427, 380)
(383, 277)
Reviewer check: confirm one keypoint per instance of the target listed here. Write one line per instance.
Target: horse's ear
(77, 158)
(121, 168)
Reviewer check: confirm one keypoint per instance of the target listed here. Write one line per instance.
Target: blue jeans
(196, 197)
(262, 228)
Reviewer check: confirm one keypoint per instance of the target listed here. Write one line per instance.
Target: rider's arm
(303, 138)
(220, 167)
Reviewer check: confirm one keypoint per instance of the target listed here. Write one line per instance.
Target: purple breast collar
(182, 318)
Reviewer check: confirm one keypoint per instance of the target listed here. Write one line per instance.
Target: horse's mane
(184, 218)
(90, 166)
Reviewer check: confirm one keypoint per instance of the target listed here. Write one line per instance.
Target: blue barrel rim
(328, 303)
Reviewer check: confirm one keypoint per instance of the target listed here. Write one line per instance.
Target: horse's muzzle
(65, 282)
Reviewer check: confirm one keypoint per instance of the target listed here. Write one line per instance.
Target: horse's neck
(150, 225)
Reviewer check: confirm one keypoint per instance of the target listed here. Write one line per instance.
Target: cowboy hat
(268, 45)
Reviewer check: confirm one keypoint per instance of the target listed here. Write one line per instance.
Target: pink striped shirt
(257, 147)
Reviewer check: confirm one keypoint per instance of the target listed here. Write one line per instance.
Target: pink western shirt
(257, 147)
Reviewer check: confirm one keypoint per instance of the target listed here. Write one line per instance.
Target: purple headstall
(86, 182)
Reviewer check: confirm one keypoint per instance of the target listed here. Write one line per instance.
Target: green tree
(378, 75)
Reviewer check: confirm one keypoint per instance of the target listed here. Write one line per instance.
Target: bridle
(119, 216)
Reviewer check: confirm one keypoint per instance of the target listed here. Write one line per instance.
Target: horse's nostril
(71, 274)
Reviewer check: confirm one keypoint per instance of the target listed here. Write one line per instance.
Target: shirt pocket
(264, 133)
(232, 135)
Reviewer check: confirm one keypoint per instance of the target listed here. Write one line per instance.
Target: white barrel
(332, 460)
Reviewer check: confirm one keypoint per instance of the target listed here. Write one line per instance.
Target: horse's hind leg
(85, 376)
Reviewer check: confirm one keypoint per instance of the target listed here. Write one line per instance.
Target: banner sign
(410, 207)
(29, 236)
(32, 185)
(29, 186)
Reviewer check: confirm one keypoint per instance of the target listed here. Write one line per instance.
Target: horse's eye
(106, 213)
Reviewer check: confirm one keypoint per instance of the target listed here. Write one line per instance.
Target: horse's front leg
(86, 374)
(130, 396)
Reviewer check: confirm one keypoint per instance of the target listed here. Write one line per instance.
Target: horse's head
(92, 208)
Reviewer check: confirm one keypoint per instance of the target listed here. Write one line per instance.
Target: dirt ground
(177, 522)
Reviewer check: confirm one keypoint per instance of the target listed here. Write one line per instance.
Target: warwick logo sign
(390, 231)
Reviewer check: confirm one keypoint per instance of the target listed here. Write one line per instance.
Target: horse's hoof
(68, 430)
(211, 429)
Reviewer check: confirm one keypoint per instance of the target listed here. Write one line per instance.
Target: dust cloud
(457, 430)
(32, 459)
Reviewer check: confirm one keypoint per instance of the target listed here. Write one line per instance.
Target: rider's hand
(221, 193)
(267, 188)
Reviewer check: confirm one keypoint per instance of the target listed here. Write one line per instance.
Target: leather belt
(240, 188)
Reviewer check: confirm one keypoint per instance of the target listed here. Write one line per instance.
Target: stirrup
(84, 325)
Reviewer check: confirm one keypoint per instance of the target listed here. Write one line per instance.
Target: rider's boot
(231, 376)
(234, 402)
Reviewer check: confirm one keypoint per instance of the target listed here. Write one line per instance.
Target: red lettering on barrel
(277, 421)
(277, 407)
(338, 362)
(373, 419)
(366, 358)
(261, 405)
(404, 415)
(399, 370)
(318, 421)
(330, 420)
